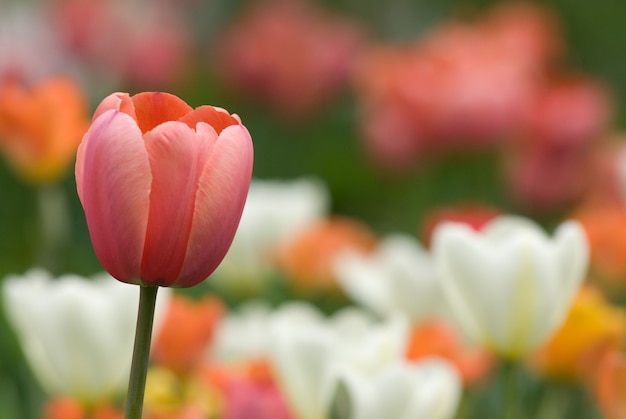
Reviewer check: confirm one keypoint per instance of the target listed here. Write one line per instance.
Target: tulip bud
(510, 285)
(163, 187)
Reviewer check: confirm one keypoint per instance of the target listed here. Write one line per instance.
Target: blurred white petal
(510, 285)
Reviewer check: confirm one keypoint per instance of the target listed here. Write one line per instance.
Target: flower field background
(374, 124)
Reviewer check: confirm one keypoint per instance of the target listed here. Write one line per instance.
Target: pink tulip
(162, 186)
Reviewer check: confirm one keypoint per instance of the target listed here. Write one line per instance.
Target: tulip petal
(300, 353)
(221, 195)
(477, 280)
(116, 101)
(115, 191)
(570, 255)
(177, 157)
(216, 117)
(155, 108)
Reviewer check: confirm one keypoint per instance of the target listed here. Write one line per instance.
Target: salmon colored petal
(115, 192)
(155, 108)
(177, 158)
(221, 195)
(216, 117)
(116, 101)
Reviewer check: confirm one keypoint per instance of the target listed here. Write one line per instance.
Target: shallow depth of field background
(325, 140)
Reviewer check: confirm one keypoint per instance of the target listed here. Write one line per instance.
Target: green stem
(555, 402)
(141, 352)
(511, 386)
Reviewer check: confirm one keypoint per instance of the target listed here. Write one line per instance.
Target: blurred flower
(462, 87)
(249, 398)
(76, 334)
(171, 396)
(429, 389)
(307, 259)
(41, 126)
(242, 336)
(399, 276)
(552, 156)
(274, 211)
(288, 55)
(65, 408)
(570, 113)
(605, 226)
(439, 339)
(546, 180)
(187, 330)
(591, 329)
(305, 347)
(147, 47)
(610, 385)
(163, 187)
(510, 285)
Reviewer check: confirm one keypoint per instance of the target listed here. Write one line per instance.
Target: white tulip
(77, 334)
(274, 211)
(430, 389)
(510, 285)
(242, 335)
(305, 345)
(399, 277)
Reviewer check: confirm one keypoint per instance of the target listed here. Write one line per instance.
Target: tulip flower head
(510, 285)
(76, 334)
(163, 187)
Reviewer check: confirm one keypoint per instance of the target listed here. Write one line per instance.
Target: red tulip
(162, 186)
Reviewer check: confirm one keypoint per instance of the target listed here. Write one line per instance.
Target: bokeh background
(325, 89)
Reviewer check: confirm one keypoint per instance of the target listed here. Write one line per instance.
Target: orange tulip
(610, 386)
(186, 332)
(592, 328)
(41, 126)
(605, 225)
(439, 339)
(307, 259)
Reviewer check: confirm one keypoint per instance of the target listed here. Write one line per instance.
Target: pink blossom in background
(391, 138)
(249, 399)
(544, 180)
(289, 55)
(552, 156)
(132, 42)
(571, 112)
(464, 86)
(530, 30)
